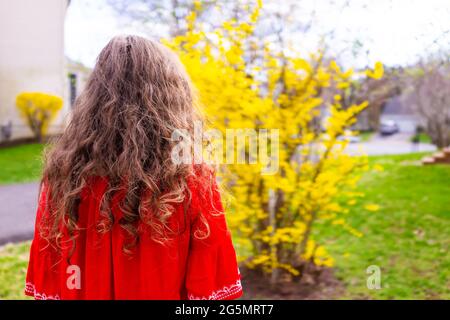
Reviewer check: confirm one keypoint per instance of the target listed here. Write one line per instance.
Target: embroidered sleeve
(212, 269)
(41, 280)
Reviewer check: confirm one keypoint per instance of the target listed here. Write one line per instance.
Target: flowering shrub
(38, 110)
(274, 215)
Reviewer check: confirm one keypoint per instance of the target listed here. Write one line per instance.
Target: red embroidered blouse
(186, 267)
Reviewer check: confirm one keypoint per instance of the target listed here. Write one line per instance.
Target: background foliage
(38, 110)
(244, 83)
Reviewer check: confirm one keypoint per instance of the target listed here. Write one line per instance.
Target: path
(395, 144)
(17, 211)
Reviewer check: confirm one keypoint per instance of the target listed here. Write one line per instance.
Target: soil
(27, 140)
(316, 284)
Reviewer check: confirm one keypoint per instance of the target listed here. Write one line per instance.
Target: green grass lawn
(422, 138)
(366, 135)
(408, 237)
(13, 267)
(20, 164)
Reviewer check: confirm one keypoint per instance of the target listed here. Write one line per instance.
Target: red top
(183, 268)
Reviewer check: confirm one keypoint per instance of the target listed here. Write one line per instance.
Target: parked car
(388, 127)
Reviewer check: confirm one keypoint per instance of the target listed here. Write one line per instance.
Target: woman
(117, 218)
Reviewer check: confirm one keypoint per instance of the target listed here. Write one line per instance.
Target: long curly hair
(137, 94)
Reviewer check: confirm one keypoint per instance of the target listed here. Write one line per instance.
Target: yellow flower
(378, 168)
(377, 72)
(372, 207)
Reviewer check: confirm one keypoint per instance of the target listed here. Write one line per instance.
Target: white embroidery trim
(221, 294)
(31, 290)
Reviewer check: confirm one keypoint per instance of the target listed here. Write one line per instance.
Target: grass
(366, 135)
(408, 237)
(21, 163)
(13, 266)
(422, 138)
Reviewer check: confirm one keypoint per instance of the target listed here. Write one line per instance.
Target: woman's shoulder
(203, 187)
(202, 177)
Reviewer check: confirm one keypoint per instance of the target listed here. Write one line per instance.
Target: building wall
(31, 56)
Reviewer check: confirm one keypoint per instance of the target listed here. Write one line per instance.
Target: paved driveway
(17, 211)
(395, 144)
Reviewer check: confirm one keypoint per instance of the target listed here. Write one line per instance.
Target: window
(72, 87)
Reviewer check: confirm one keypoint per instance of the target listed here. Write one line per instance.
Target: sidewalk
(17, 211)
(396, 144)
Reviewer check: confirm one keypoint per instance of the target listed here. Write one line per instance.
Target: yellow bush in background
(245, 83)
(38, 110)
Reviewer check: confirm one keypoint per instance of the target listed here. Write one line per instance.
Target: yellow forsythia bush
(273, 215)
(38, 110)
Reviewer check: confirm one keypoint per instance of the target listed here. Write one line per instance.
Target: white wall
(31, 55)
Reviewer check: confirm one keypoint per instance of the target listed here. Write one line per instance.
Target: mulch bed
(22, 141)
(316, 284)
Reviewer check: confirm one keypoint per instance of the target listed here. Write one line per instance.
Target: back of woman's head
(121, 127)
